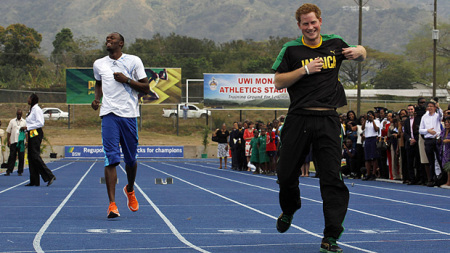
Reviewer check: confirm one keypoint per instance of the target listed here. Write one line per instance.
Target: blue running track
(209, 210)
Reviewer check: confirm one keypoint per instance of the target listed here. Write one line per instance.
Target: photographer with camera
(371, 127)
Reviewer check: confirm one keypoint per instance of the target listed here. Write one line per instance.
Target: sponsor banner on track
(243, 90)
(143, 152)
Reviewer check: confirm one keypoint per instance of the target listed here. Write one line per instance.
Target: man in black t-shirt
(308, 67)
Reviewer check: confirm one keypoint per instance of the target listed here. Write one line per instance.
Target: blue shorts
(118, 130)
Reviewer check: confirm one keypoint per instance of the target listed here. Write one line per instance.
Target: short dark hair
(121, 37)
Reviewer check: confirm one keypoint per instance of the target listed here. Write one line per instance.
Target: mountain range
(387, 24)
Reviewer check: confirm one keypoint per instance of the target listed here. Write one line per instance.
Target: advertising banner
(143, 152)
(165, 83)
(243, 90)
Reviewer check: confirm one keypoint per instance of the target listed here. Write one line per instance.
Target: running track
(209, 210)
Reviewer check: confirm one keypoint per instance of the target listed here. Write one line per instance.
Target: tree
(419, 51)
(18, 43)
(399, 75)
(376, 61)
(19, 46)
(64, 48)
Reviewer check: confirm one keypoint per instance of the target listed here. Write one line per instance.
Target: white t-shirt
(119, 98)
(369, 130)
(14, 127)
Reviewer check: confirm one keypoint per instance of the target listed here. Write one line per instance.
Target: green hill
(387, 24)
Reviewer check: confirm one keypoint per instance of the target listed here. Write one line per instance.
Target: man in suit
(411, 138)
(236, 145)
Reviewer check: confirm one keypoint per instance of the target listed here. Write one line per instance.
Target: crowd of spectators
(411, 145)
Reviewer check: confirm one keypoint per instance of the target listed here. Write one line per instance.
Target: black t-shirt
(321, 89)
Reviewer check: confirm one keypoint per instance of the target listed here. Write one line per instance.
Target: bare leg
(131, 176)
(111, 180)
(368, 168)
(225, 162)
(375, 166)
(220, 159)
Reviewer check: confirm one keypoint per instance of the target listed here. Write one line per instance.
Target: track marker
(168, 180)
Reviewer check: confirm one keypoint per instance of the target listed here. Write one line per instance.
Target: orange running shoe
(113, 212)
(132, 202)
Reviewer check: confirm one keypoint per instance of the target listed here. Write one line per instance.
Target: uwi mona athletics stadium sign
(243, 90)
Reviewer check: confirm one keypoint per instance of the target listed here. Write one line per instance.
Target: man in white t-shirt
(119, 79)
(16, 147)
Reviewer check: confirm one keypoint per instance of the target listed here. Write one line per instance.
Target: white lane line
(350, 209)
(246, 206)
(348, 183)
(12, 187)
(359, 194)
(38, 237)
(406, 191)
(167, 221)
(400, 202)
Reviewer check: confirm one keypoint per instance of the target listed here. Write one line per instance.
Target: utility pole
(435, 39)
(358, 94)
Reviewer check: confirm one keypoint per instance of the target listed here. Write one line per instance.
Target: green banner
(165, 83)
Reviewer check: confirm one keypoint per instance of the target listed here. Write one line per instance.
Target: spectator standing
(237, 145)
(360, 159)
(430, 127)
(254, 159)
(416, 174)
(185, 111)
(35, 122)
(401, 149)
(263, 158)
(2, 135)
(420, 110)
(303, 67)
(371, 128)
(222, 146)
(383, 155)
(393, 135)
(248, 136)
(271, 149)
(445, 149)
(16, 128)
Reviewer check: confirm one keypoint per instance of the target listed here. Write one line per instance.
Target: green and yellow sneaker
(329, 245)
(284, 222)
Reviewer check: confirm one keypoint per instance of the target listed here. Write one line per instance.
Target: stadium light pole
(435, 35)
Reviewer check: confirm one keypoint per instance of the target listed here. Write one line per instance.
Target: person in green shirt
(254, 151)
(263, 157)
